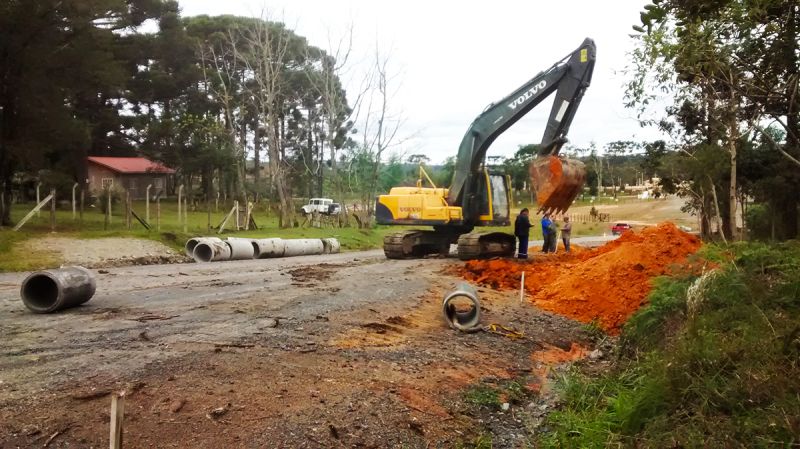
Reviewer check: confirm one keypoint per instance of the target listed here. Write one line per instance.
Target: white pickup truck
(324, 206)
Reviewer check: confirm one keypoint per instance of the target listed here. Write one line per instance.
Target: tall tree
(731, 65)
(58, 61)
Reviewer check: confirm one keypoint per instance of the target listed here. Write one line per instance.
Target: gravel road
(343, 350)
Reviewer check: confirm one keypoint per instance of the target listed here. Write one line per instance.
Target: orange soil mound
(607, 284)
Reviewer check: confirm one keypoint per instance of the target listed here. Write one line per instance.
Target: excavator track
(415, 244)
(483, 245)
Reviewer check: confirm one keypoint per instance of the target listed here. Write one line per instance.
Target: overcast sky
(454, 58)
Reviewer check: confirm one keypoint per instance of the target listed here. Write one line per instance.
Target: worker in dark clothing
(522, 229)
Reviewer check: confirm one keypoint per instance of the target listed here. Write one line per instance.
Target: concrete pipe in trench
(330, 246)
(302, 247)
(191, 244)
(212, 251)
(49, 291)
(267, 248)
(459, 317)
(241, 249)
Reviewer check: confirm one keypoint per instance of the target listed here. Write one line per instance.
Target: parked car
(324, 206)
(619, 228)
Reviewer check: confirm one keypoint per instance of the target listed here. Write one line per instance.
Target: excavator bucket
(557, 182)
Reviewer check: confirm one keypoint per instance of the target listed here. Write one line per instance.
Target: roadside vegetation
(712, 361)
(171, 230)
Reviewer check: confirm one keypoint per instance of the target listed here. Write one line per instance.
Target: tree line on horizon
(201, 94)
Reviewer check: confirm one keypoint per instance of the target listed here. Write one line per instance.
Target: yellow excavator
(479, 197)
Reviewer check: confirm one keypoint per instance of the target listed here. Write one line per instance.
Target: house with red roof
(133, 174)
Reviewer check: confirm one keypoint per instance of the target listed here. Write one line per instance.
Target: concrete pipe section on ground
(331, 246)
(241, 249)
(192, 243)
(462, 309)
(302, 247)
(268, 248)
(212, 249)
(49, 291)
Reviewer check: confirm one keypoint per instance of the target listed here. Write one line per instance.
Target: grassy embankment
(718, 366)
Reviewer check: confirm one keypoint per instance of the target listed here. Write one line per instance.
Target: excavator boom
(568, 79)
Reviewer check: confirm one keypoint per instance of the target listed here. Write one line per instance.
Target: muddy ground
(345, 350)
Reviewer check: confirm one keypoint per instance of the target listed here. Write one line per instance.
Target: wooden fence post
(107, 222)
(185, 213)
(38, 200)
(147, 203)
(180, 195)
(236, 208)
(158, 213)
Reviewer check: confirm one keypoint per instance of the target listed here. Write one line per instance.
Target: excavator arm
(568, 78)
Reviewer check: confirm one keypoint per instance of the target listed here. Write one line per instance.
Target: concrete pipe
(48, 291)
(241, 249)
(267, 248)
(302, 247)
(330, 246)
(461, 309)
(211, 251)
(192, 243)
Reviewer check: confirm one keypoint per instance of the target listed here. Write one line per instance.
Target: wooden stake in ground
(247, 217)
(236, 207)
(522, 288)
(117, 415)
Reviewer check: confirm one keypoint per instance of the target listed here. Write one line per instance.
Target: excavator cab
(493, 200)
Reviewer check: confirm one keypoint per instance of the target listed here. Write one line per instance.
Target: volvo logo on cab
(528, 94)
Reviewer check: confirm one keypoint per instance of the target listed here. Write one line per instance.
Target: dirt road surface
(103, 252)
(345, 350)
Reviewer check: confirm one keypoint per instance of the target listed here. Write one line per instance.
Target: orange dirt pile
(607, 284)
